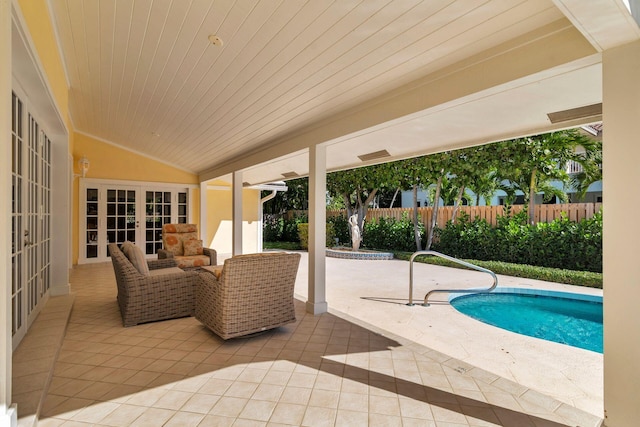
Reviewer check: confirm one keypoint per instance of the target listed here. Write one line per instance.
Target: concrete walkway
(376, 293)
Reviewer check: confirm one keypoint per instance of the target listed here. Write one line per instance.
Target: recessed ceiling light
(375, 155)
(215, 40)
(291, 174)
(587, 112)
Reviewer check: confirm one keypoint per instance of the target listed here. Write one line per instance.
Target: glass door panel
(92, 218)
(18, 318)
(121, 216)
(158, 212)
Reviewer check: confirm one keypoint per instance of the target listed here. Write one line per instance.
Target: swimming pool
(562, 317)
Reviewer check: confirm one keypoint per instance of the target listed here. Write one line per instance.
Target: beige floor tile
(353, 402)
(268, 392)
(296, 395)
(229, 406)
(216, 421)
(173, 399)
(96, 412)
(324, 398)
(125, 415)
(241, 389)
(319, 417)
(346, 418)
(288, 413)
(259, 410)
(153, 417)
(184, 419)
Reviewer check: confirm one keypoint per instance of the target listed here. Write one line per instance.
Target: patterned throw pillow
(192, 247)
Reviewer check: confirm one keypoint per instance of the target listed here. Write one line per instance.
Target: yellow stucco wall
(37, 18)
(219, 220)
(107, 161)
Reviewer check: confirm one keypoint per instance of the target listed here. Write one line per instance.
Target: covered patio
(371, 360)
(207, 101)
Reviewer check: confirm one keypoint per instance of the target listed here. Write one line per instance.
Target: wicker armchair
(167, 292)
(178, 239)
(253, 293)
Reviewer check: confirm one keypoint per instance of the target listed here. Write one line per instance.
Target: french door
(114, 212)
(30, 218)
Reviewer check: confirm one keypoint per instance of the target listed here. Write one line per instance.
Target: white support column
(317, 303)
(203, 213)
(8, 415)
(237, 214)
(60, 214)
(621, 113)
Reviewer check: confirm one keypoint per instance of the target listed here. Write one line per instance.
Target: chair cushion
(216, 270)
(192, 247)
(136, 257)
(163, 271)
(193, 261)
(173, 236)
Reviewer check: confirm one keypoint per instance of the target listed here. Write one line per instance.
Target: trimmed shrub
(290, 228)
(558, 244)
(340, 229)
(303, 235)
(390, 234)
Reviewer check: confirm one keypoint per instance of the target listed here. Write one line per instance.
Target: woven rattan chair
(253, 293)
(167, 292)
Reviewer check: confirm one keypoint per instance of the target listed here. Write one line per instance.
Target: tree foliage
(531, 164)
(358, 187)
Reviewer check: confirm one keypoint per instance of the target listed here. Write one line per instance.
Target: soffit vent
(375, 155)
(588, 111)
(290, 174)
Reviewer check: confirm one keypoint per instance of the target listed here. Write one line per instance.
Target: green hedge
(278, 229)
(303, 234)
(558, 244)
(390, 234)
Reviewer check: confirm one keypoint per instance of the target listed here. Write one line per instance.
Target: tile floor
(321, 370)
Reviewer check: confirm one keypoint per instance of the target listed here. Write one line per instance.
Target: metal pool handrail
(452, 259)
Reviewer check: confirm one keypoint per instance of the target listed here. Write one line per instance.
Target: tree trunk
(416, 230)
(349, 208)
(532, 197)
(434, 216)
(393, 200)
(456, 205)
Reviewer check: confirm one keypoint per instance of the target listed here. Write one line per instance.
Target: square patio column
(8, 415)
(621, 175)
(236, 213)
(316, 302)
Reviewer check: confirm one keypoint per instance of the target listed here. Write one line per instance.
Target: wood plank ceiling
(144, 75)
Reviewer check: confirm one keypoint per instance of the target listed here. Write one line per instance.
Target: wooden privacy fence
(543, 213)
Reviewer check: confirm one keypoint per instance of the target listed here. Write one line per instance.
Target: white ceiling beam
(605, 23)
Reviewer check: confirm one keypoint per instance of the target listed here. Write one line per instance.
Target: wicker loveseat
(252, 293)
(161, 291)
(181, 242)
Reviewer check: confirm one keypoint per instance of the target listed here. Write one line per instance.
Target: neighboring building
(593, 194)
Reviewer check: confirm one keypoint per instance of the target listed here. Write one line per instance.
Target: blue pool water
(552, 317)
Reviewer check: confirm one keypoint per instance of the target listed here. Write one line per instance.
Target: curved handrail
(452, 259)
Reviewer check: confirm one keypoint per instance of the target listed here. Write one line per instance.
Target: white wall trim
(154, 184)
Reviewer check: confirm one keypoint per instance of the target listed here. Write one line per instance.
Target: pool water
(564, 320)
